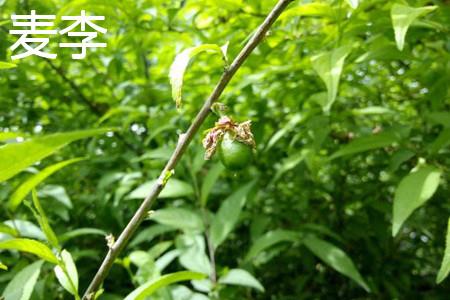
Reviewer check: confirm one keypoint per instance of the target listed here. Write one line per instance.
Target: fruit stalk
(181, 147)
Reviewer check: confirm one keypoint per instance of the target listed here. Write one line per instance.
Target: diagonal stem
(181, 147)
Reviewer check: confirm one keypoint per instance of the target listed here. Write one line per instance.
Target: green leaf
(398, 158)
(162, 262)
(22, 285)
(439, 117)
(293, 122)
(19, 156)
(149, 233)
(381, 49)
(179, 65)
(353, 3)
(5, 136)
(30, 246)
(67, 274)
(291, 162)
(43, 221)
(241, 277)
(335, 258)
(412, 192)
(3, 267)
(372, 110)
(366, 143)
(192, 253)
(329, 67)
(26, 229)
(29, 184)
(269, 239)
(5, 65)
(149, 288)
(56, 192)
(228, 214)
(442, 141)
(120, 110)
(173, 189)
(209, 181)
(444, 270)
(314, 9)
(158, 249)
(402, 17)
(8, 230)
(80, 232)
(181, 218)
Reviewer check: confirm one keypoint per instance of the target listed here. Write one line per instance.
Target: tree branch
(181, 147)
(93, 107)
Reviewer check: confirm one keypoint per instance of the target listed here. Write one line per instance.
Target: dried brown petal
(240, 131)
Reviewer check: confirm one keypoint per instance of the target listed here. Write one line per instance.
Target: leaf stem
(181, 147)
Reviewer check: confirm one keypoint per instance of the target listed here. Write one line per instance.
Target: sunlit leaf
(162, 262)
(22, 285)
(402, 17)
(179, 65)
(149, 288)
(43, 221)
(444, 270)
(24, 228)
(329, 67)
(121, 110)
(192, 253)
(30, 246)
(3, 267)
(56, 192)
(353, 3)
(5, 136)
(23, 190)
(314, 9)
(18, 156)
(335, 258)
(173, 189)
(367, 143)
(412, 192)
(241, 277)
(8, 230)
(181, 218)
(372, 110)
(67, 273)
(6, 65)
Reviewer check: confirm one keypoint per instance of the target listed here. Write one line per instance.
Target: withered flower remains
(241, 132)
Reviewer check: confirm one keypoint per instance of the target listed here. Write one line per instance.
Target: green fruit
(234, 155)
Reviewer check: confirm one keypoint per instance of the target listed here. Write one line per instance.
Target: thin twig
(181, 147)
(90, 104)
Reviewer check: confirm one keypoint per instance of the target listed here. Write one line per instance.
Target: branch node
(181, 138)
(110, 241)
(90, 296)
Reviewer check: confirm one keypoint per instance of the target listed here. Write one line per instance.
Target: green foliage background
(319, 195)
